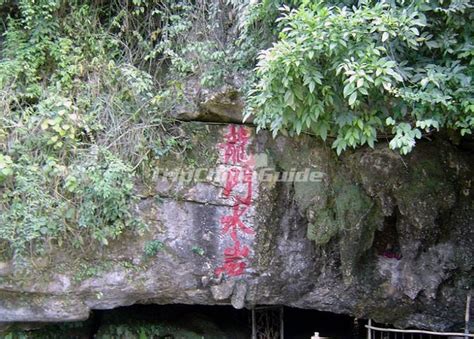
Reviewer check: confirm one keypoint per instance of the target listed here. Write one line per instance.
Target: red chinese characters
(234, 154)
(234, 260)
(233, 223)
(235, 147)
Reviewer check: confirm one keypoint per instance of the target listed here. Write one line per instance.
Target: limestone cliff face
(371, 234)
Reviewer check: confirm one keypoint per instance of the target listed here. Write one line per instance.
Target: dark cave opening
(177, 321)
(386, 240)
(301, 323)
(197, 321)
(220, 319)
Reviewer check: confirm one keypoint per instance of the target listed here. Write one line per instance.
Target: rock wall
(371, 234)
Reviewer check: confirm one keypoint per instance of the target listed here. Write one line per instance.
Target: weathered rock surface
(374, 235)
(224, 104)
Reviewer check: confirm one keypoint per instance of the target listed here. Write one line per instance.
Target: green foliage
(144, 330)
(89, 270)
(104, 188)
(85, 88)
(61, 123)
(51, 331)
(6, 167)
(180, 37)
(51, 204)
(29, 211)
(255, 24)
(152, 248)
(132, 331)
(198, 250)
(351, 73)
(120, 328)
(78, 119)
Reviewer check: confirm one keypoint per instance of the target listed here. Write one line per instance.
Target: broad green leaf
(352, 98)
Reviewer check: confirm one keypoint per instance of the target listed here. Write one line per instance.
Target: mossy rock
(350, 215)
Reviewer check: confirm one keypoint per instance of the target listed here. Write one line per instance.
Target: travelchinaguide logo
(262, 172)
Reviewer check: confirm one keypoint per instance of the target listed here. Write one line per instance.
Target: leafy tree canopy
(396, 68)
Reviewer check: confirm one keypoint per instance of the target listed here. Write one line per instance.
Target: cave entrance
(196, 321)
(221, 321)
(278, 322)
(303, 323)
(210, 322)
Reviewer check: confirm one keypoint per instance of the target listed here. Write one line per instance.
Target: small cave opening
(386, 240)
(197, 321)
